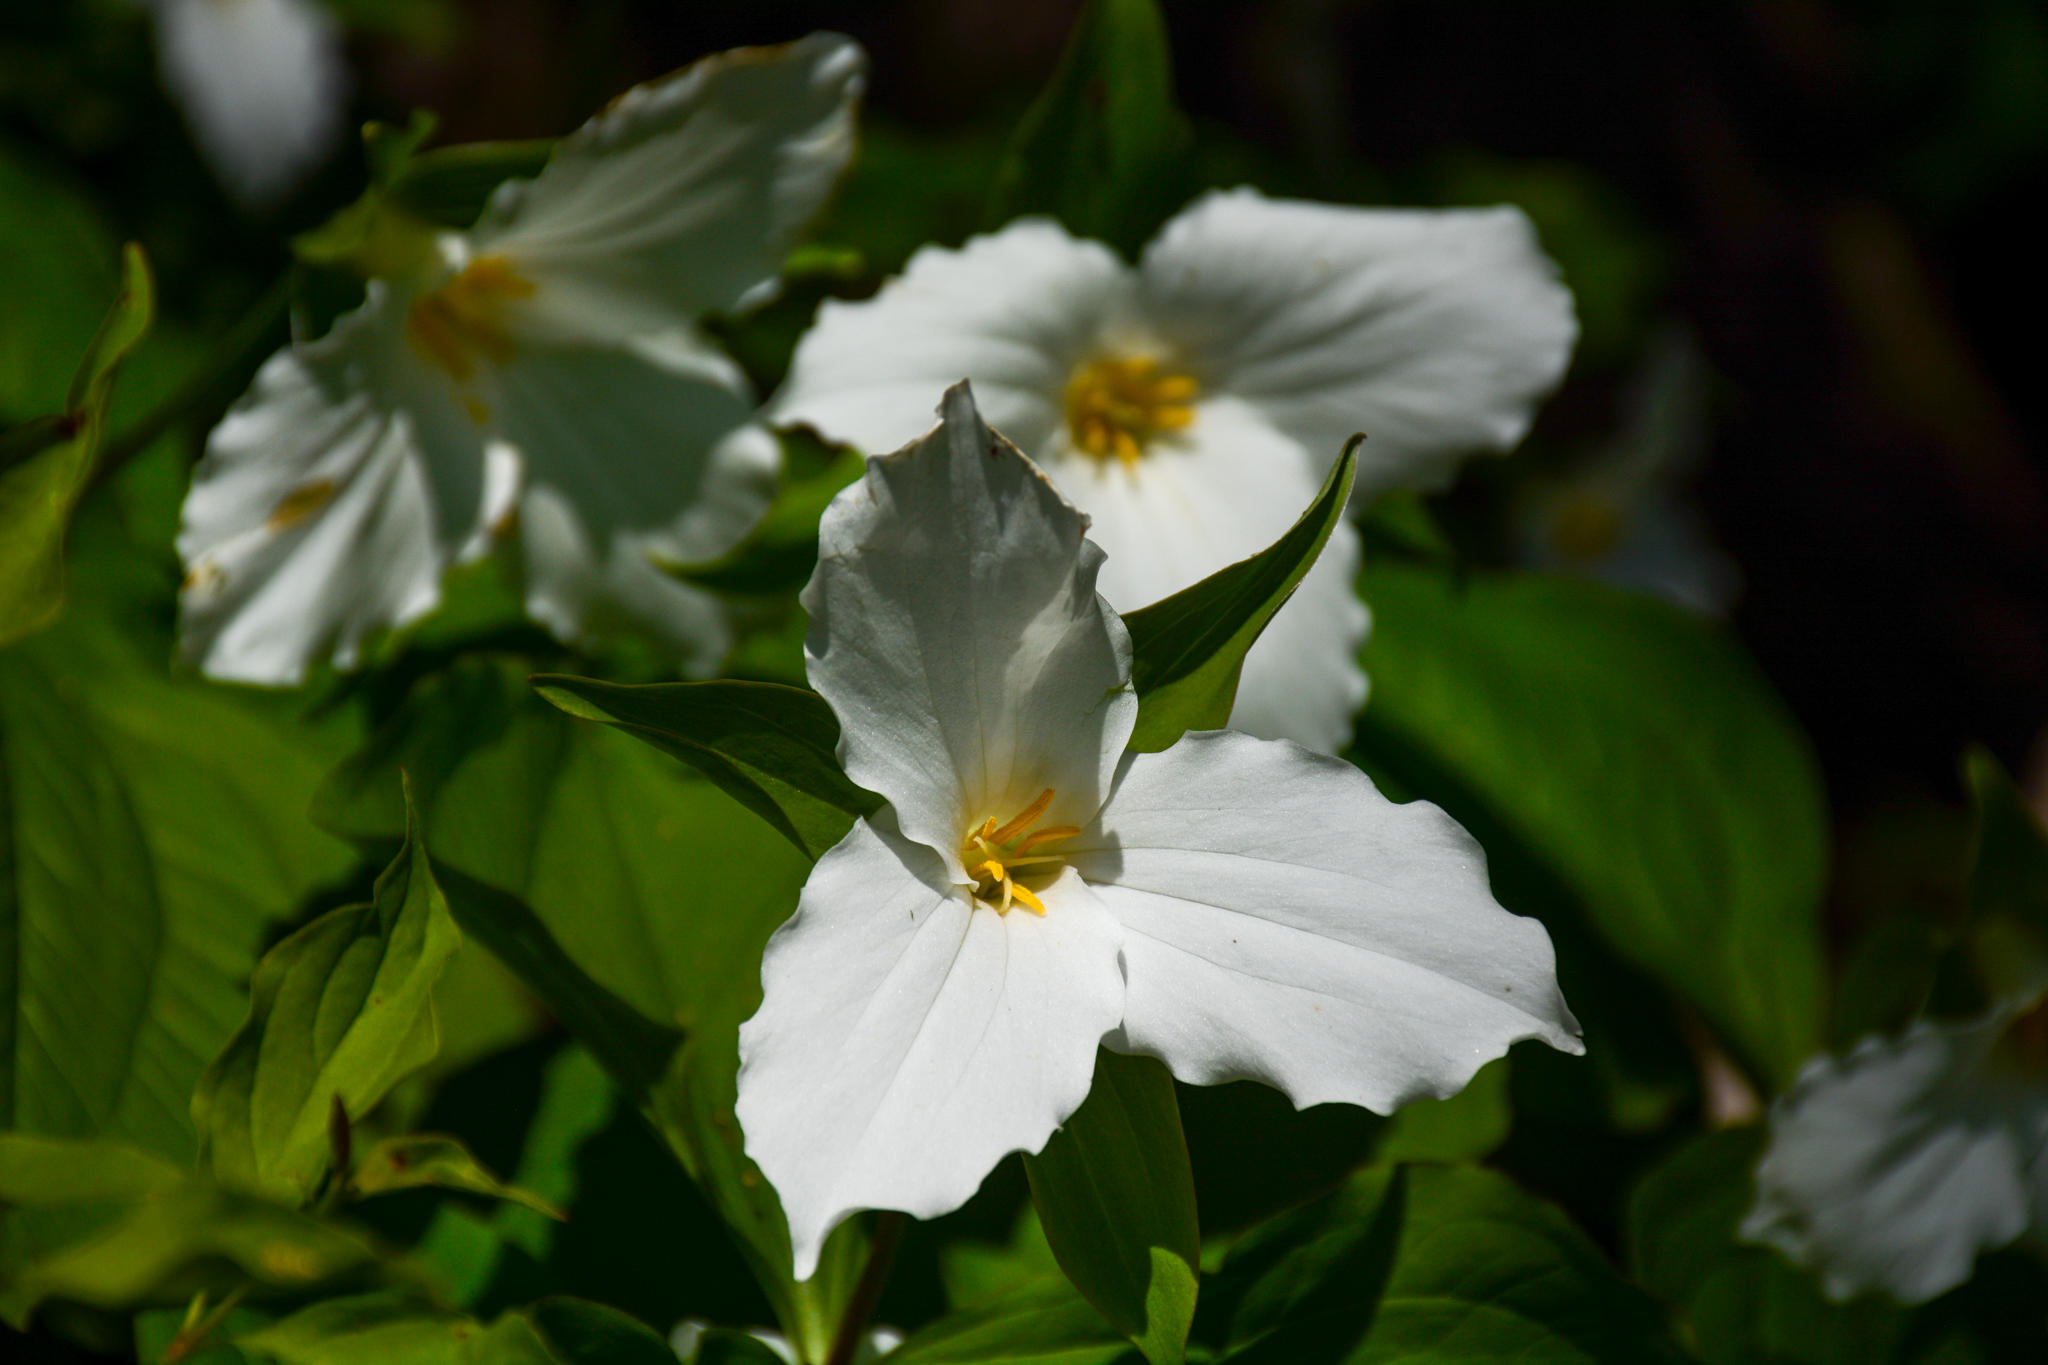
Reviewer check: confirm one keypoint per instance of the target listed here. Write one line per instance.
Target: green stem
(255, 330)
(853, 1322)
(193, 1334)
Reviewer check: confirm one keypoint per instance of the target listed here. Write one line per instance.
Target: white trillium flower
(1893, 1168)
(263, 84)
(540, 371)
(1192, 405)
(1237, 907)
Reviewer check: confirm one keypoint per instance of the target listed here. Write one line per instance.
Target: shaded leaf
(579, 1332)
(779, 554)
(1635, 754)
(449, 186)
(1117, 1199)
(339, 1012)
(1103, 148)
(56, 275)
(1188, 649)
(1043, 1321)
(435, 1159)
(1465, 1127)
(385, 1329)
(772, 748)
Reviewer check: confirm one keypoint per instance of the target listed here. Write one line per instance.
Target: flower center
(993, 854)
(464, 318)
(1117, 407)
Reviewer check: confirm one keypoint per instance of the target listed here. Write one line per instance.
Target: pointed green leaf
(415, 1160)
(1103, 148)
(56, 274)
(393, 1329)
(339, 1013)
(41, 478)
(1043, 1322)
(1636, 755)
(773, 748)
(579, 1332)
(1187, 649)
(1116, 1195)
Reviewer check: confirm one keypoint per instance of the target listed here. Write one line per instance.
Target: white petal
(1432, 332)
(1014, 312)
(263, 85)
(1893, 1168)
(1227, 489)
(956, 632)
(1285, 922)
(629, 436)
(907, 1040)
(583, 596)
(310, 522)
(683, 196)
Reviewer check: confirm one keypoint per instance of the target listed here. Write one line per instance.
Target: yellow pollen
(1118, 407)
(298, 504)
(464, 318)
(992, 855)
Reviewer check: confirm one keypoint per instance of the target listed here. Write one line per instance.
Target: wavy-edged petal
(1014, 312)
(1434, 332)
(683, 196)
(583, 596)
(310, 523)
(908, 1040)
(1286, 923)
(956, 631)
(1222, 491)
(1892, 1168)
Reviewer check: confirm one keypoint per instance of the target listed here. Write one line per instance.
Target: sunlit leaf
(1043, 1322)
(1188, 649)
(1117, 1200)
(415, 1160)
(339, 1013)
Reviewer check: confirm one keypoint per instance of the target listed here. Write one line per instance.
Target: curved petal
(1229, 487)
(1894, 1167)
(309, 525)
(683, 196)
(1434, 332)
(1014, 312)
(263, 83)
(629, 435)
(907, 1041)
(1285, 922)
(956, 632)
(583, 596)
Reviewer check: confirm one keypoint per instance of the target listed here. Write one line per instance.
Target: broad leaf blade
(772, 748)
(1117, 1198)
(422, 1160)
(1636, 754)
(339, 1012)
(1103, 148)
(1188, 649)
(1043, 1321)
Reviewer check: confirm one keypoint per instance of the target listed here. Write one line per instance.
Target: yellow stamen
(295, 506)
(992, 856)
(464, 318)
(1118, 407)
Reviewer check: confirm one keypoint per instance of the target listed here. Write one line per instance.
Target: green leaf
(1465, 1127)
(391, 1329)
(772, 748)
(449, 186)
(435, 1159)
(150, 828)
(727, 1346)
(1435, 1263)
(579, 1332)
(38, 493)
(56, 275)
(1187, 649)
(1633, 752)
(779, 554)
(2008, 866)
(1741, 1302)
(1103, 148)
(1117, 1198)
(1043, 1321)
(107, 1225)
(339, 1013)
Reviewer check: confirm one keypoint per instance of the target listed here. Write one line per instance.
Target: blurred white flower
(538, 376)
(1237, 907)
(1193, 404)
(1623, 516)
(1894, 1167)
(263, 84)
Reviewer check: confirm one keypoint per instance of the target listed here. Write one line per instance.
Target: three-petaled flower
(545, 363)
(1191, 405)
(1237, 907)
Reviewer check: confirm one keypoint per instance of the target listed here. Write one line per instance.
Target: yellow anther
(295, 506)
(464, 318)
(992, 856)
(1117, 407)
